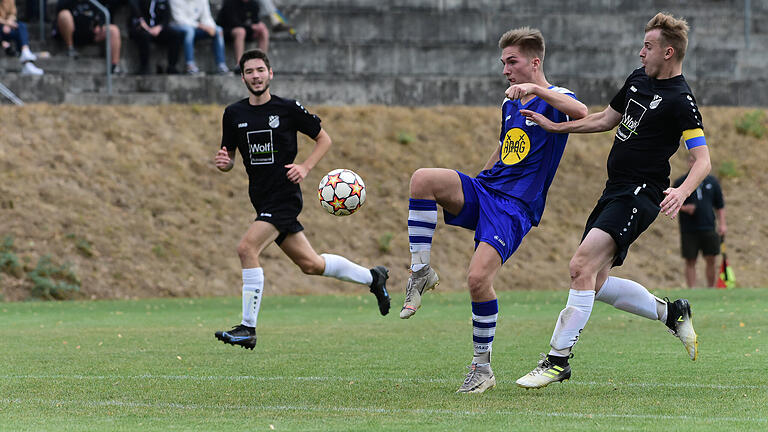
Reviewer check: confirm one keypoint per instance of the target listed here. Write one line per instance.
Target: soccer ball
(341, 192)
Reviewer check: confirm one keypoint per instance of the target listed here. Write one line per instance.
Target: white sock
(253, 287)
(343, 269)
(571, 322)
(422, 220)
(631, 297)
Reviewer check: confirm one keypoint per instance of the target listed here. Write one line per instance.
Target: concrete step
(92, 98)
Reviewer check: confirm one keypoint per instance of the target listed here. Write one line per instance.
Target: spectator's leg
(142, 39)
(218, 50)
(238, 42)
(114, 41)
(261, 34)
(66, 25)
(190, 34)
(709, 270)
(690, 272)
(174, 39)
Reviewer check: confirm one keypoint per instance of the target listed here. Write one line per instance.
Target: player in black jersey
(653, 109)
(263, 128)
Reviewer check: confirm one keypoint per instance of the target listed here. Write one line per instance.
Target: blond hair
(530, 41)
(674, 32)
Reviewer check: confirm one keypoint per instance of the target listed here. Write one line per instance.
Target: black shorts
(250, 35)
(624, 212)
(282, 215)
(708, 242)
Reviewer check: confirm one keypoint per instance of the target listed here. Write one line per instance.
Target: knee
(114, 32)
(238, 33)
(419, 181)
(244, 251)
(578, 268)
(65, 20)
(478, 284)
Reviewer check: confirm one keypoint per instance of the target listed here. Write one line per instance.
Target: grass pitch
(332, 363)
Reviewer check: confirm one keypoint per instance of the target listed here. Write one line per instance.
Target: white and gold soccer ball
(341, 192)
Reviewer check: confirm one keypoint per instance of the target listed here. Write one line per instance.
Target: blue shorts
(500, 221)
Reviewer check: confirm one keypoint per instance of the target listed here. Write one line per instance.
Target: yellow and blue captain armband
(694, 138)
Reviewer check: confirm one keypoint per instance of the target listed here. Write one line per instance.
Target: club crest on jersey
(655, 102)
(515, 146)
(274, 121)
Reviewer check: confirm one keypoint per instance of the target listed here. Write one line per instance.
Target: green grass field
(332, 363)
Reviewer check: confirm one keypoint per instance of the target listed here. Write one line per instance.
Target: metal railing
(107, 21)
(5, 91)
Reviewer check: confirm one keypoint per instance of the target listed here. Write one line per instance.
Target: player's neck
(259, 100)
(670, 71)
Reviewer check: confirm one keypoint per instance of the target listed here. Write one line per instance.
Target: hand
(154, 31)
(519, 91)
(296, 172)
(210, 30)
(222, 160)
(688, 209)
(672, 202)
(541, 120)
(6, 28)
(722, 229)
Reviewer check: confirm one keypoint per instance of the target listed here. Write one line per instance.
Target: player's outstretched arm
(560, 101)
(675, 197)
(595, 122)
(297, 172)
(224, 159)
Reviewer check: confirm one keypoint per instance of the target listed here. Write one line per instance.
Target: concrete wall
(425, 52)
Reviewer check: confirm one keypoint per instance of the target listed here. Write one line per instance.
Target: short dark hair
(253, 54)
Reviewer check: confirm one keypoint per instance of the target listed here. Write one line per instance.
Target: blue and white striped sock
(484, 316)
(422, 220)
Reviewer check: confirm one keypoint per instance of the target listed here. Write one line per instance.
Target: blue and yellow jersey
(528, 155)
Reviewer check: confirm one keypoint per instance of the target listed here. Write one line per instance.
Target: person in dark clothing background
(240, 21)
(149, 23)
(697, 227)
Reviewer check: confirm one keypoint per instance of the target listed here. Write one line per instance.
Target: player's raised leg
(634, 298)
(483, 268)
(300, 251)
(429, 187)
(594, 256)
(259, 235)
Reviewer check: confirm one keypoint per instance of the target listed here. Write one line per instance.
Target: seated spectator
(16, 31)
(240, 21)
(193, 19)
(150, 22)
(78, 22)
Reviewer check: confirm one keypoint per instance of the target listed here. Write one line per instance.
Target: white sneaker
(680, 324)
(27, 56)
(421, 280)
(478, 380)
(29, 68)
(545, 373)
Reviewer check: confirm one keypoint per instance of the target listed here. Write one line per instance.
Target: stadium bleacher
(428, 52)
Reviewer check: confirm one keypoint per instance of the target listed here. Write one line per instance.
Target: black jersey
(266, 137)
(654, 115)
(708, 196)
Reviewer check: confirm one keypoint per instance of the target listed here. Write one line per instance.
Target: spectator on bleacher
(150, 22)
(13, 30)
(193, 18)
(78, 22)
(241, 23)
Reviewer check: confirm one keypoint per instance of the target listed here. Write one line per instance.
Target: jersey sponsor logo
(655, 102)
(515, 147)
(242, 125)
(260, 147)
(633, 113)
(274, 121)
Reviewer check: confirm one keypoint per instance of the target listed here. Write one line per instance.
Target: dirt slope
(129, 196)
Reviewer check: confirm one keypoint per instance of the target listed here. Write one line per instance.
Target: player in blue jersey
(502, 202)
(653, 110)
